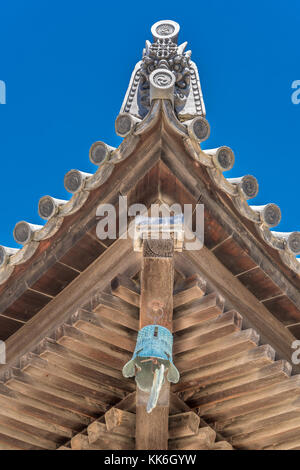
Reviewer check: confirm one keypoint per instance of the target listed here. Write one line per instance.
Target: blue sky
(66, 65)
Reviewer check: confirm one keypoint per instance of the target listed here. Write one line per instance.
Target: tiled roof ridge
(191, 125)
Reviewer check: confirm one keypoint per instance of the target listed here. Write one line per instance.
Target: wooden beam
(81, 442)
(7, 443)
(269, 435)
(42, 390)
(118, 317)
(104, 330)
(177, 405)
(99, 299)
(292, 444)
(222, 445)
(120, 422)
(227, 369)
(289, 407)
(93, 348)
(126, 289)
(101, 438)
(194, 180)
(29, 440)
(101, 392)
(116, 257)
(272, 374)
(87, 371)
(128, 403)
(142, 161)
(201, 310)
(217, 350)
(203, 440)
(225, 324)
(238, 406)
(152, 431)
(183, 425)
(33, 407)
(33, 425)
(253, 312)
(157, 281)
(190, 289)
(34, 422)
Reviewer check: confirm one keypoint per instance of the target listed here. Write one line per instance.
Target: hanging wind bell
(152, 361)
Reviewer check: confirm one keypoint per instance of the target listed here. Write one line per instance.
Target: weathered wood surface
(249, 398)
(145, 158)
(243, 385)
(292, 444)
(128, 403)
(120, 422)
(81, 442)
(126, 289)
(257, 419)
(270, 435)
(157, 282)
(42, 390)
(194, 179)
(101, 392)
(222, 445)
(260, 399)
(191, 289)
(223, 325)
(88, 370)
(227, 369)
(245, 395)
(34, 425)
(65, 376)
(216, 350)
(183, 425)
(117, 433)
(92, 348)
(152, 433)
(253, 312)
(106, 331)
(198, 191)
(203, 440)
(72, 298)
(99, 436)
(114, 431)
(201, 310)
(75, 376)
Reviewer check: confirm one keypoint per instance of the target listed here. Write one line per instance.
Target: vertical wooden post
(156, 307)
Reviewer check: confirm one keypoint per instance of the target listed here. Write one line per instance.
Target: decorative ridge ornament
(152, 357)
(165, 56)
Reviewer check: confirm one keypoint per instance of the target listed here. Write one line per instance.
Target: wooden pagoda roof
(69, 311)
